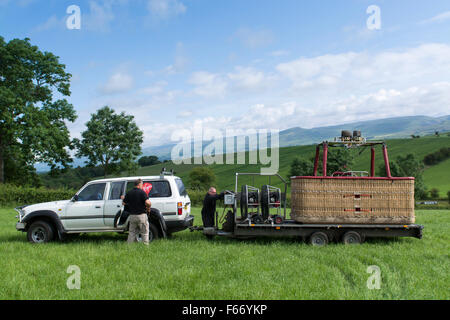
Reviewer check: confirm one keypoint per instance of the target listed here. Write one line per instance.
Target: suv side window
(92, 192)
(116, 190)
(181, 187)
(157, 189)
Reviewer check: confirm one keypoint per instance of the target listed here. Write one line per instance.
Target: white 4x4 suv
(97, 207)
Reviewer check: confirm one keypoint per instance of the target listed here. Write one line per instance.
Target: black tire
(257, 219)
(319, 239)
(40, 232)
(244, 202)
(152, 233)
(228, 225)
(352, 237)
(265, 202)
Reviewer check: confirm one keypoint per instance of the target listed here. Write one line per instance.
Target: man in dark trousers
(138, 205)
(209, 207)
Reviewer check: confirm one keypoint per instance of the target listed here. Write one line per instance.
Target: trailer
(346, 207)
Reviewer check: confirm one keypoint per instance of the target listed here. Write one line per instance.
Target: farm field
(188, 266)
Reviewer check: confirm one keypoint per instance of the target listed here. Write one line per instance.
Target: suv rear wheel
(152, 233)
(40, 232)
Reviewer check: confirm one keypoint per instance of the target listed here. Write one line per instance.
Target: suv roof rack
(166, 173)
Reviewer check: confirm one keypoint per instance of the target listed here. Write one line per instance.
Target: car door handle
(98, 207)
(118, 206)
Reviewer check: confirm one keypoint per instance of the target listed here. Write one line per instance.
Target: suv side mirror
(75, 198)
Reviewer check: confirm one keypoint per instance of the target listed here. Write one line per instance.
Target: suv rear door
(113, 204)
(159, 193)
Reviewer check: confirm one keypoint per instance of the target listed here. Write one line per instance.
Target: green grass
(438, 176)
(435, 177)
(190, 267)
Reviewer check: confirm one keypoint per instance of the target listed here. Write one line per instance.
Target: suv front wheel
(40, 232)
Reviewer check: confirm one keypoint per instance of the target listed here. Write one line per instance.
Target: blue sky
(244, 63)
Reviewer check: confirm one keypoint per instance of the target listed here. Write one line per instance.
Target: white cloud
(118, 83)
(99, 17)
(52, 23)
(180, 61)
(208, 84)
(185, 114)
(366, 71)
(21, 3)
(241, 80)
(253, 38)
(438, 18)
(165, 9)
(250, 79)
(154, 89)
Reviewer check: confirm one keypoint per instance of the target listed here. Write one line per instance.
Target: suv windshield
(180, 186)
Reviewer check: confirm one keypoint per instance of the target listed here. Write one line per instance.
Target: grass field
(188, 266)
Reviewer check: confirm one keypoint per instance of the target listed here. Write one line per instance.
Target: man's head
(212, 191)
(138, 183)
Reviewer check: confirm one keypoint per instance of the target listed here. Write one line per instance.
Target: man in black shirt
(209, 207)
(137, 203)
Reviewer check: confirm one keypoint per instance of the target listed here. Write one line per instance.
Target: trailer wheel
(352, 237)
(318, 239)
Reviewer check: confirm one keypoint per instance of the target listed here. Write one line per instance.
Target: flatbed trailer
(315, 234)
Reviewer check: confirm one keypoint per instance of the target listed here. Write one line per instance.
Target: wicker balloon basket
(352, 200)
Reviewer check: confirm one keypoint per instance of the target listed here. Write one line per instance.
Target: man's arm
(125, 200)
(147, 201)
(148, 204)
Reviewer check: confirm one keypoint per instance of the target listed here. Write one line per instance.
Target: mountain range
(389, 128)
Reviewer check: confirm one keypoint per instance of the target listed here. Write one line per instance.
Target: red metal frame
(354, 178)
(316, 160)
(372, 164)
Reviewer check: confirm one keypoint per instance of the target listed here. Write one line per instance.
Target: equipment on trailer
(347, 206)
(270, 198)
(249, 201)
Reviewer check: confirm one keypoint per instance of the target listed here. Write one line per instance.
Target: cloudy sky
(244, 63)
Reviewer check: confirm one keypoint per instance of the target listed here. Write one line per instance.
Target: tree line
(437, 157)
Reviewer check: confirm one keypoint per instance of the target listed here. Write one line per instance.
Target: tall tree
(111, 140)
(32, 122)
(201, 178)
(408, 166)
(301, 167)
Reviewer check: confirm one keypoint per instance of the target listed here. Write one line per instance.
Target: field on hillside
(190, 267)
(435, 177)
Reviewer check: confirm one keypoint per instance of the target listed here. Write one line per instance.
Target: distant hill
(390, 128)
